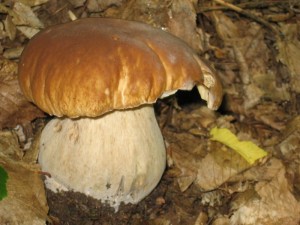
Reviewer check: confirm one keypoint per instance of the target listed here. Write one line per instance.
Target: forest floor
(254, 47)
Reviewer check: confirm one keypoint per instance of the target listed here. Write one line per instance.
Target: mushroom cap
(91, 66)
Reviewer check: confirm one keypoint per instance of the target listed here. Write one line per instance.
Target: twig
(247, 5)
(251, 16)
(226, 5)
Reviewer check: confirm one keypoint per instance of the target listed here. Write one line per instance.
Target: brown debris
(14, 109)
(270, 202)
(254, 46)
(25, 202)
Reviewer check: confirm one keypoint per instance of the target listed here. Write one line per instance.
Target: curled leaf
(248, 150)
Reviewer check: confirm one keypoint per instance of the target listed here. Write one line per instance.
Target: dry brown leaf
(33, 2)
(26, 200)
(29, 32)
(3, 34)
(10, 27)
(26, 16)
(222, 220)
(9, 145)
(218, 166)
(13, 53)
(182, 23)
(290, 143)
(8, 69)
(160, 221)
(201, 219)
(78, 3)
(259, 173)
(270, 203)
(289, 52)
(208, 167)
(270, 114)
(14, 108)
(290, 148)
(177, 17)
(185, 162)
(245, 46)
(101, 5)
(205, 163)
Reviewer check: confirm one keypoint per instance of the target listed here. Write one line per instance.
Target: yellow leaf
(247, 149)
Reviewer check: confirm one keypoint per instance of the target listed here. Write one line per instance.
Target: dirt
(165, 201)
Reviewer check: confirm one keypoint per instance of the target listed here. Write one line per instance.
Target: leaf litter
(254, 48)
(14, 108)
(25, 202)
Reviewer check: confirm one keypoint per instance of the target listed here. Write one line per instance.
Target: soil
(165, 201)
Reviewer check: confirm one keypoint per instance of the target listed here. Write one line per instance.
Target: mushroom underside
(119, 157)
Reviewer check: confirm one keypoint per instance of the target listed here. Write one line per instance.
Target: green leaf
(3, 179)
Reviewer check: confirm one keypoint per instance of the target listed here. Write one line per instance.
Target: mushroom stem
(118, 157)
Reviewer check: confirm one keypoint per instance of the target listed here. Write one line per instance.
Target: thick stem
(119, 157)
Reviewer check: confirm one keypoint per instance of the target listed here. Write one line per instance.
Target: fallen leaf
(9, 145)
(99, 5)
(13, 53)
(270, 114)
(14, 108)
(8, 69)
(248, 150)
(10, 27)
(218, 166)
(186, 163)
(29, 32)
(289, 53)
(26, 16)
(271, 202)
(246, 47)
(289, 148)
(176, 17)
(206, 164)
(201, 219)
(33, 2)
(181, 22)
(25, 203)
(221, 220)
(26, 200)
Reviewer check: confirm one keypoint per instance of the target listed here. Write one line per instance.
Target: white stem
(119, 157)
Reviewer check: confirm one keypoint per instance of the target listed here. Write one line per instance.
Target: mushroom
(101, 77)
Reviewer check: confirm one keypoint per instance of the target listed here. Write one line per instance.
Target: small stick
(248, 5)
(249, 15)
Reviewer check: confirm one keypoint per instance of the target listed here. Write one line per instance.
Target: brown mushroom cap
(95, 65)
